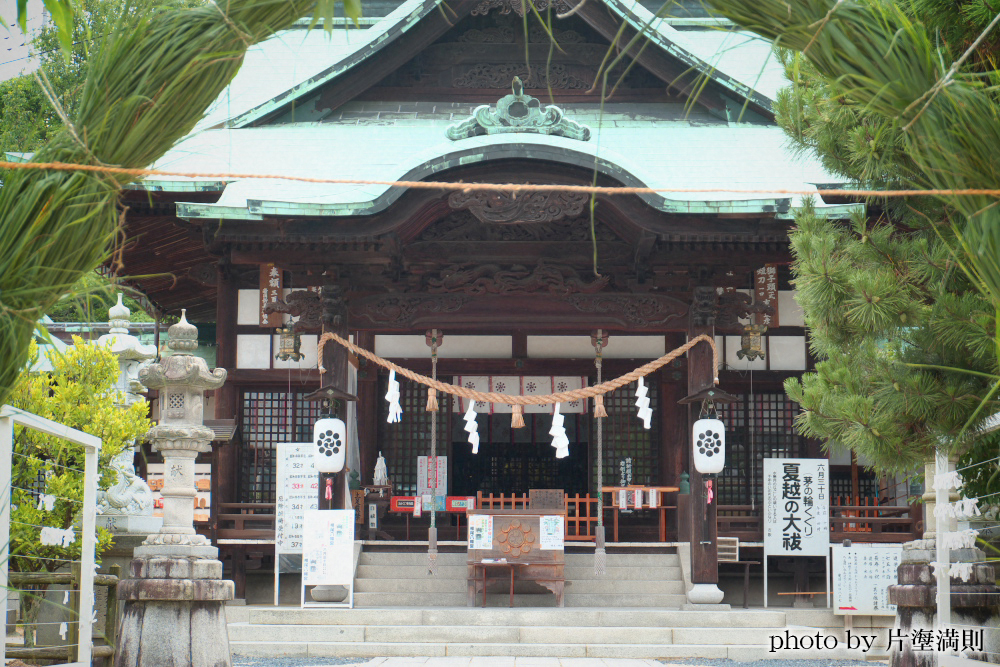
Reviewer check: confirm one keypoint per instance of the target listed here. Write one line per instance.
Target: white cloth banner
(528, 385)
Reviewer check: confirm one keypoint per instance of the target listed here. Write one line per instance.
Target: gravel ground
(772, 662)
(242, 661)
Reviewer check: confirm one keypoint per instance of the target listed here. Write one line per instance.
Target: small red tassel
(329, 489)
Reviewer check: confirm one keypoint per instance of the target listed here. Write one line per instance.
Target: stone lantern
(126, 508)
(175, 605)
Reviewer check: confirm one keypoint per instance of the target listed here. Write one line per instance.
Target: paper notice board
(861, 578)
(328, 550)
(296, 491)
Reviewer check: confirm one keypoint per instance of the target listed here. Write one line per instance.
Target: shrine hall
(521, 292)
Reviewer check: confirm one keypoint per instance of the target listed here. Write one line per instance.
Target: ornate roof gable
(518, 113)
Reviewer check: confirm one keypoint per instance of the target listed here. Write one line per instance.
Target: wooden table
(483, 568)
(662, 490)
(517, 540)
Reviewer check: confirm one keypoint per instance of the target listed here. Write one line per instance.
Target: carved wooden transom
(514, 540)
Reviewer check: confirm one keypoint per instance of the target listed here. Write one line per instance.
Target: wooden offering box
(517, 538)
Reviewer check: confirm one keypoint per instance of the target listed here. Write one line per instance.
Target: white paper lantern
(709, 440)
(330, 437)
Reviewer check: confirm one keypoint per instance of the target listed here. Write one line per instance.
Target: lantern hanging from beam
(709, 438)
(330, 438)
(288, 345)
(751, 342)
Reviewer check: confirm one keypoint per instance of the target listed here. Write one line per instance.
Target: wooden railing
(502, 502)
(865, 522)
(581, 518)
(245, 521)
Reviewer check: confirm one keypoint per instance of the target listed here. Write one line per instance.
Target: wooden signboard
(270, 292)
(528, 543)
(862, 575)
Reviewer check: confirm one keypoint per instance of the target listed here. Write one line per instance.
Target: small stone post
(175, 603)
(974, 603)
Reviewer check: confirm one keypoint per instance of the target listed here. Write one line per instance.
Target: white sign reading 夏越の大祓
(796, 507)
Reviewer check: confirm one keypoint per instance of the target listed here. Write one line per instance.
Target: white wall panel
(253, 351)
(789, 309)
(453, 347)
(580, 347)
(248, 307)
(788, 353)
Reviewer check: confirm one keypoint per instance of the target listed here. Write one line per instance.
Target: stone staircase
(395, 579)
(742, 635)
(632, 612)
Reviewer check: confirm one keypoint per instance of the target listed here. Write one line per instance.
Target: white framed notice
(797, 511)
(297, 490)
(328, 553)
(480, 532)
(862, 574)
(432, 476)
(552, 529)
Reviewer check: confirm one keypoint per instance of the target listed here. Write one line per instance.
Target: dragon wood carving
(504, 208)
(517, 6)
(492, 279)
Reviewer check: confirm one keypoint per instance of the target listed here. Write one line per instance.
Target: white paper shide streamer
(947, 480)
(558, 433)
(472, 427)
(966, 508)
(56, 537)
(395, 409)
(642, 402)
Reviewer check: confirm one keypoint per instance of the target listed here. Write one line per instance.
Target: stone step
(654, 573)
(460, 615)
(741, 653)
(625, 560)
(498, 585)
(411, 585)
(410, 571)
(409, 558)
(451, 634)
(638, 587)
(665, 601)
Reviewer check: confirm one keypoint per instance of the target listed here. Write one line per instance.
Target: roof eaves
(644, 21)
(407, 15)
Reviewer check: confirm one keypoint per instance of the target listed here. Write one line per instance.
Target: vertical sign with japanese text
(765, 284)
(296, 491)
(270, 292)
(796, 507)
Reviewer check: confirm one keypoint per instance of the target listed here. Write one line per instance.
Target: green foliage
(147, 84)
(80, 393)
(889, 312)
(902, 309)
(89, 301)
(29, 119)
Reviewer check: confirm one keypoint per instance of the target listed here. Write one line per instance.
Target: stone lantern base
(174, 614)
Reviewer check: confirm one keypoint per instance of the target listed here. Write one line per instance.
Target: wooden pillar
(226, 396)
(368, 407)
(673, 429)
(335, 362)
(701, 376)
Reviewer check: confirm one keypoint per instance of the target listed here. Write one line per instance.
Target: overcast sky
(14, 48)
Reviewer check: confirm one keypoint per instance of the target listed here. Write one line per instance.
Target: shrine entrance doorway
(512, 461)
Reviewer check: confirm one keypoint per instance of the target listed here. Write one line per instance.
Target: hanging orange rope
(518, 400)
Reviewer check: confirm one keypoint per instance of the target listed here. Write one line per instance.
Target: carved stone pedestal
(174, 614)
